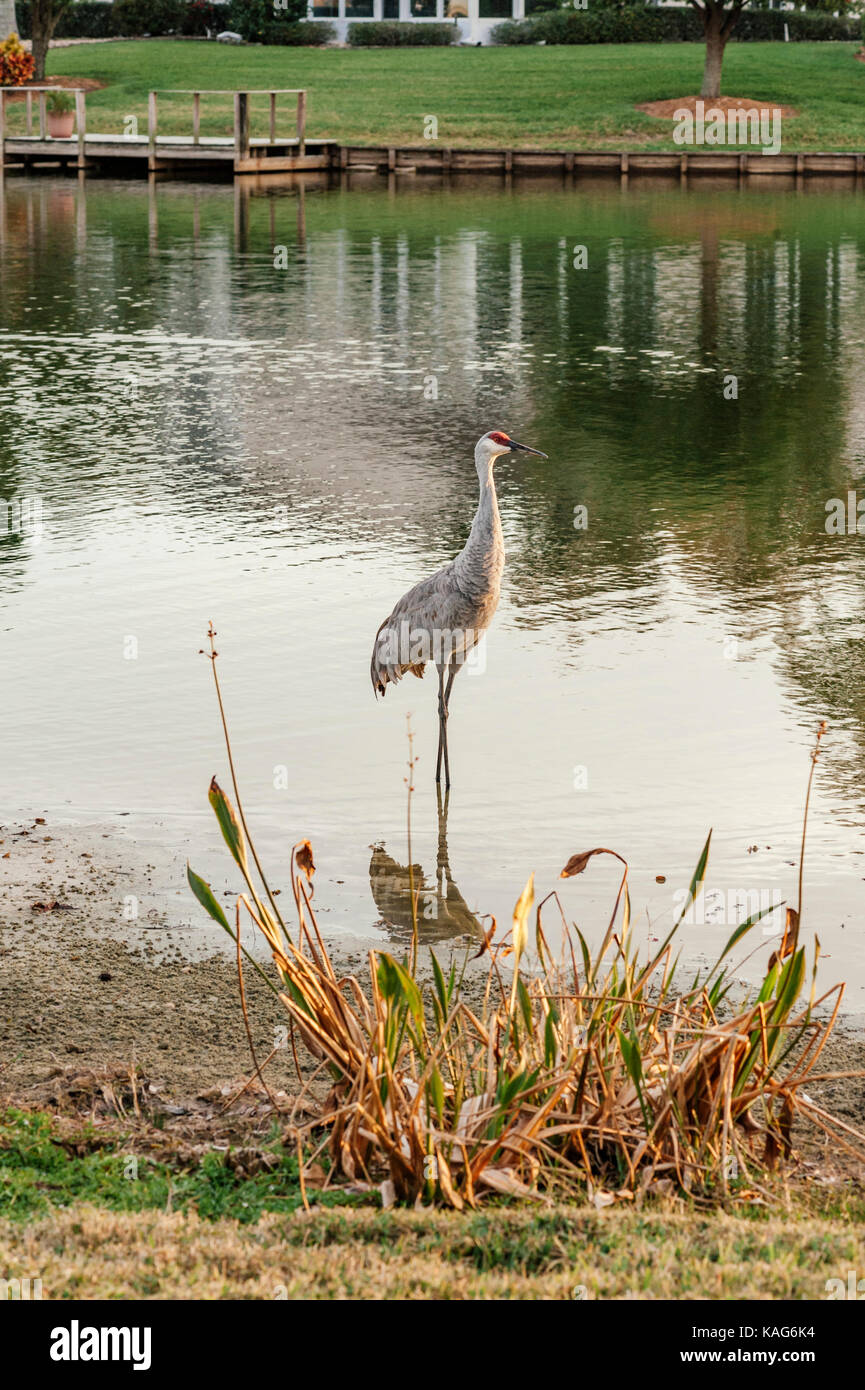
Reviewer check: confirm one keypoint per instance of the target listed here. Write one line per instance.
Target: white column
(405, 10)
(474, 16)
(378, 9)
(518, 9)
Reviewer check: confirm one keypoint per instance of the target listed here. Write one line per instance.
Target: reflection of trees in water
(728, 494)
(80, 270)
(442, 911)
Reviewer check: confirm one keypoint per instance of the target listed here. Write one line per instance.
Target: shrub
(804, 25)
(202, 17)
(301, 34)
(132, 18)
(636, 24)
(392, 34)
(86, 19)
(16, 66)
(257, 21)
(665, 24)
(97, 19)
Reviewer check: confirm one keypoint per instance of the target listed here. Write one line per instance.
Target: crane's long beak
(524, 449)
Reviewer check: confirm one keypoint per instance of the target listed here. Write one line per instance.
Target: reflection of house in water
(442, 911)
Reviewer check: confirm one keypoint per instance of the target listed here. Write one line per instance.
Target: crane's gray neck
(478, 567)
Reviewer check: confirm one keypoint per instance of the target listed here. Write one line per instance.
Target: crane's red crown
(499, 437)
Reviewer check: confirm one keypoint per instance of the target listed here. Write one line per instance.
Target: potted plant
(60, 115)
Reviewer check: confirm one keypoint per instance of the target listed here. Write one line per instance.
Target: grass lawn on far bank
(581, 97)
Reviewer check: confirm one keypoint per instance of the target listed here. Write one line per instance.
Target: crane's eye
(499, 438)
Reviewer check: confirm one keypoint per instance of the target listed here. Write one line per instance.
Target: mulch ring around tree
(83, 84)
(667, 109)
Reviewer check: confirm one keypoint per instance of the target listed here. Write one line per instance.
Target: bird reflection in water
(442, 911)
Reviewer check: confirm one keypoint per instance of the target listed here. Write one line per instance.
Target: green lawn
(572, 97)
(99, 1212)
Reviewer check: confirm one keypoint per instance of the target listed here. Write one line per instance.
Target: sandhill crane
(443, 618)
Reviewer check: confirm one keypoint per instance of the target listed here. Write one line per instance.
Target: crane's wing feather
(422, 624)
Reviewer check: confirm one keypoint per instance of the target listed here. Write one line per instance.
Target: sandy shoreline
(84, 984)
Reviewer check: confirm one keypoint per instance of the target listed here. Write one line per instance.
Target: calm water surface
(281, 439)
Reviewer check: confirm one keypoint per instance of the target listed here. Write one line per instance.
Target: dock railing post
(241, 126)
(151, 126)
(2, 130)
(196, 117)
(81, 125)
(29, 113)
(301, 124)
(272, 117)
(43, 119)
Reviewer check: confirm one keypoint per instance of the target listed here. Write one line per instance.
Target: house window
(495, 9)
(325, 9)
(358, 9)
(422, 9)
(390, 9)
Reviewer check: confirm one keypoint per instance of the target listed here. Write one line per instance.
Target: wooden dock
(242, 153)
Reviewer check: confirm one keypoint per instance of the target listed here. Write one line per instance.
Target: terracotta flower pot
(60, 124)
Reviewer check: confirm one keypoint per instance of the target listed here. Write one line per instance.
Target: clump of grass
(43, 1168)
(595, 1071)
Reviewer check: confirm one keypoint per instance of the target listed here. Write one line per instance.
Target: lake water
(262, 410)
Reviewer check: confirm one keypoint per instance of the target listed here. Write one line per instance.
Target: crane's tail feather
(384, 672)
(383, 676)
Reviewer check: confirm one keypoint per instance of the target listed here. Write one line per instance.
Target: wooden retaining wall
(434, 159)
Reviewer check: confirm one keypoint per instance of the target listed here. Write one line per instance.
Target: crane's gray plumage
(444, 617)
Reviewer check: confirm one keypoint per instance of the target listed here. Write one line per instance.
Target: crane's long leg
(451, 678)
(444, 702)
(443, 732)
(442, 865)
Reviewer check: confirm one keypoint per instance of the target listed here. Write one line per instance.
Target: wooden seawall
(432, 159)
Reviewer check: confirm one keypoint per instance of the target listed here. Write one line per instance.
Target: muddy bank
(80, 985)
